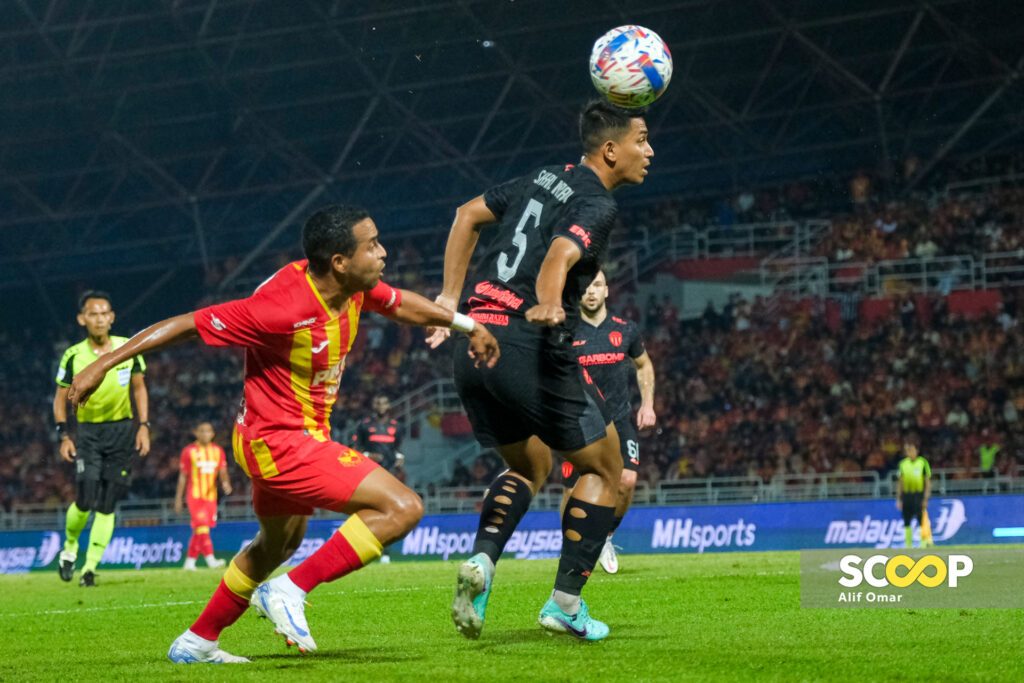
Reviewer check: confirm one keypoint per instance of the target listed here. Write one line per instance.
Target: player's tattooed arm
(562, 255)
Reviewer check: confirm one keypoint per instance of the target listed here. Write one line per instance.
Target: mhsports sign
(691, 529)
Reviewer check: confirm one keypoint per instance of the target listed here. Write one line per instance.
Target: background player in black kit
(551, 237)
(378, 436)
(611, 349)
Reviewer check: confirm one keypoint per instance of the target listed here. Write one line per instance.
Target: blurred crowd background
(763, 387)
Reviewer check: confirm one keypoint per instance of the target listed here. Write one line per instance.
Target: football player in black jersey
(611, 349)
(551, 233)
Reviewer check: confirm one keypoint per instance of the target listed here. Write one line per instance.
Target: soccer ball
(630, 65)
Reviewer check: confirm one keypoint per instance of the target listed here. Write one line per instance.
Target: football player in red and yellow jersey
(202, 462)
(296, 329)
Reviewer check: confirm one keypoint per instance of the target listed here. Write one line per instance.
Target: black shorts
(912, 506)
(536, 389)
(105, 451)
(629, 447)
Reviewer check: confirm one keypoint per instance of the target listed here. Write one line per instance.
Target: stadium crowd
(760, 388)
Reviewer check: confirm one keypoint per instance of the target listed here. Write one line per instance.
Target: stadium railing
(690, 491)
(816, 276)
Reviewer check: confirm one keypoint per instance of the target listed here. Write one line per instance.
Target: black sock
(506, 502)
(615, 524)
(584, 530)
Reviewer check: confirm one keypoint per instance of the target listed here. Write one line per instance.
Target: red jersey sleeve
(233, 323)
(383, 299)
(186, 460)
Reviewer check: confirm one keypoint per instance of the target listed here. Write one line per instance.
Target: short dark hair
(329, 232)
(601, 120)
(93, 294)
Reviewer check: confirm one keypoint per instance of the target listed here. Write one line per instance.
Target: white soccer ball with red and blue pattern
(631, 66)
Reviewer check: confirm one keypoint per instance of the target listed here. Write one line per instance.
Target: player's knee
(407, 510)
(627, 482)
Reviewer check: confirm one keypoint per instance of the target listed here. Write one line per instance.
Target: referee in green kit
(913, 488)
(107, 437)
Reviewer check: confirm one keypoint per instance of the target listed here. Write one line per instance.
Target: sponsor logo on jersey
(499, 319)
(602, 358)
(499, 294)
(303, 323)
(216, 323)
(579, 342)
(321, 346)
(581, 233)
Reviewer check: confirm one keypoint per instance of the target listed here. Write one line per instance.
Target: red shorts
(293, 472)
(203, 513)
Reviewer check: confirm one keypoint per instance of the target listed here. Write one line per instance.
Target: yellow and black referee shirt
(112, 400)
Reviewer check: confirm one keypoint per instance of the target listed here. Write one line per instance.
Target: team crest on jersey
(615, 338)
(350, 458)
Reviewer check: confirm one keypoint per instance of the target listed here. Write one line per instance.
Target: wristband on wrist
(62, 429)
(145, 424)
(462, 323)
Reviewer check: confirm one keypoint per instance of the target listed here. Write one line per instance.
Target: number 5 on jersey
(505, 271)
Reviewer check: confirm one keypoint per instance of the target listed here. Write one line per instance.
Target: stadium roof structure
(154, 135)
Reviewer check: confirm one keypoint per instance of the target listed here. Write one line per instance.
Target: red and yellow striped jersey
(294, 348)
(201, 464)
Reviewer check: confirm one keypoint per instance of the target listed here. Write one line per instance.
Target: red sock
(204, 545)
(193, 546)
(333, 560)
(223, 609)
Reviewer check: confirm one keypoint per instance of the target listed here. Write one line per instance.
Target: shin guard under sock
(506, 502)
(584, 530)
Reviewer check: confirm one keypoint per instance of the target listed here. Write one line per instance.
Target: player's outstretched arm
(562, 255)
(155, 337)
(417, 310)
(462, 239)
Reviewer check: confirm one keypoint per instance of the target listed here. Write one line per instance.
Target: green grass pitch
(729, 616)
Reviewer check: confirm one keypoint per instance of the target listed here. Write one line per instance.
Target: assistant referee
(913, 488)
(106, 434)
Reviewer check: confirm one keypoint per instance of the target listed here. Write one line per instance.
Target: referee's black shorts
(912, 506)
(536, 389)
(105, 451)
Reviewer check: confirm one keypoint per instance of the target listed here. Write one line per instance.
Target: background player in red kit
(202, 463)
(297, 329)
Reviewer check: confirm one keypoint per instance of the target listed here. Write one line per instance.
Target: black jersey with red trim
(532, 210)
(607, 352)
(378, 436)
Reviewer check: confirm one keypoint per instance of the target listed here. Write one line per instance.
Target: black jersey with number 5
(554, 201)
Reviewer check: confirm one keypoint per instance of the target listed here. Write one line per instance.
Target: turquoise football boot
(471, 594)
(579, 625)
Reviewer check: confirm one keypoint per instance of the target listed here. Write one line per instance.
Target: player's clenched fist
(545, 315)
